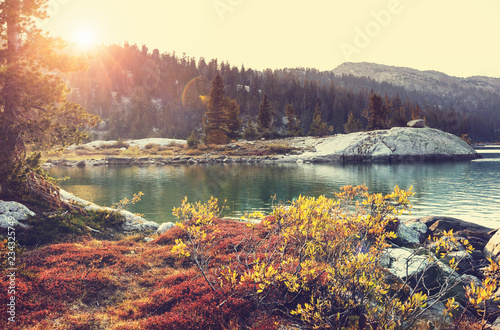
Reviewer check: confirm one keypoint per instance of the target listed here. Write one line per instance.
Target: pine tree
(378, 113)
(215, 116)
(293, 128)
(338, 114)
(34, 107)
(233, 120)
(215, 107)
(353, 124)
(399, 118)
(416, 112)
(265, 118)
(318, 127)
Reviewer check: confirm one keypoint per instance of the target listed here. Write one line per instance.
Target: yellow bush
(317, 260)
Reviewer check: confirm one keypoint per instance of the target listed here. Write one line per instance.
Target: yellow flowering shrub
(315, 260)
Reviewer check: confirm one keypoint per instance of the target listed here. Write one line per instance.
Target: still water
(466, 190)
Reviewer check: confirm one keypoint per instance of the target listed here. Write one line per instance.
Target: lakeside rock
(132, 222)
(12, 213)
(398, 144)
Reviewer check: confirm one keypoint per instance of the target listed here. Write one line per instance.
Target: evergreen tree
(318, 127)
(215, 107)
(215, 120)
(292, 126)
(250, 132)
(416, 112)
(353, 124)
(378, 114)
(233, 120)
(399, 118)
(338, 114)
(265, 118)
(33, 106)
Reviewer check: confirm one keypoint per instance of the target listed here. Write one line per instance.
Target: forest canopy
(141, 93)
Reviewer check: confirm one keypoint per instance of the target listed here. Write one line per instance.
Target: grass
(121, 149)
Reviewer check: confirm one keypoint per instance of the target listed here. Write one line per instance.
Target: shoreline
(397, 145)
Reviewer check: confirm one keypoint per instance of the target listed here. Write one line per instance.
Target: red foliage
(136, 283)
(191, 304)
(169, 237)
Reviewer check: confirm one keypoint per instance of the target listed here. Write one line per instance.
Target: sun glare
(84, 38)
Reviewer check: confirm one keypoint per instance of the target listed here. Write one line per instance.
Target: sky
(457, 37)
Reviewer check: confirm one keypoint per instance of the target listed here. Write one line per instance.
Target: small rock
(492, 248)
(411, 234)
(165, 227)
(417, 123)
(148, 239)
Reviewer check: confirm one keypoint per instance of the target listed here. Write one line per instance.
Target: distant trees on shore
(140, 93)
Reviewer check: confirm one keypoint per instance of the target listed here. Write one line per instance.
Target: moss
(69, 226)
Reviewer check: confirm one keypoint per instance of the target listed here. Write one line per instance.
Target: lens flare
(186, 89)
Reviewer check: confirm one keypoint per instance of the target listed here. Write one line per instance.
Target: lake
(467, 190)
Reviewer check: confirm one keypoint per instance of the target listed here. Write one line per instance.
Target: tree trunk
(10, 143)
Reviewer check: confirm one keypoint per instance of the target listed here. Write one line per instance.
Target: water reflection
(466, 190)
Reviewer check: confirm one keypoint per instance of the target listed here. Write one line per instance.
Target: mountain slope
(425, 81)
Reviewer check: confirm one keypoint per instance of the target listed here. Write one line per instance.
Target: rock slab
(397, 144)
(11, 213)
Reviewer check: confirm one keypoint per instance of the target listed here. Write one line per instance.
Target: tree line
(141, 94)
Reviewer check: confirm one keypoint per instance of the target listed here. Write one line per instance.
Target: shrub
(115, 145)
(133, 151)
(316, 261)
(153, 148)
(193, 141)
(216, 136)
(280, 149)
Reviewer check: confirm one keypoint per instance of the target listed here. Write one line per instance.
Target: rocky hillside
(425, 81)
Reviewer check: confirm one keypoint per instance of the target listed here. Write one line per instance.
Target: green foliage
(265, 117)
(353, 124)
(416, 112)
(377, 116)
(399, 118)
(193, 141)
(34, 110)
(68, 226)
(215, 114)
(222, 118)
(216, 136)
(293, 125)
(233, 120)
(251, 133)
(318, 126)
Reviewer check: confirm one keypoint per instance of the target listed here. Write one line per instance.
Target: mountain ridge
(430, 80)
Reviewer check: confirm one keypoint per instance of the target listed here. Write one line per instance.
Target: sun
(85, 37)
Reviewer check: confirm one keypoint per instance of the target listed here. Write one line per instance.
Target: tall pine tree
(33, 107)
(378, 115)
(215, 116)
(265, 118)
